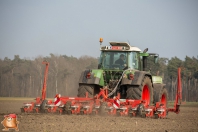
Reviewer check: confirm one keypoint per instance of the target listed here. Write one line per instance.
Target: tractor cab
(119, 56)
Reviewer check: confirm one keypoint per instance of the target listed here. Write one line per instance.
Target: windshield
(119, 60)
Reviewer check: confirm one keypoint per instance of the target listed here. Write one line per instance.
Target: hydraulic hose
(116, 87)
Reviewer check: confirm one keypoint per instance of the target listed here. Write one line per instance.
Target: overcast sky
(30, 28)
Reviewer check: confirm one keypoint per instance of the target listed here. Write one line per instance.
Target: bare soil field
(185, 121)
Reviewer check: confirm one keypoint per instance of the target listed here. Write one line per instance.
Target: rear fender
(95, 78)
(137, 80)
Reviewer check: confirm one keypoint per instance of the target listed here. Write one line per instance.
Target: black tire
(118, 113)
(81, 112)
(58, 111)
(34, 111)
(67, 108)
(159, 90)
(156, 116)
(86, 88)
(93, 113)
(130, 114)
(22, 110)
(136, 92)
(144, 115)
(43, 106)
(69, 112)
(46, 111)
(140, 110)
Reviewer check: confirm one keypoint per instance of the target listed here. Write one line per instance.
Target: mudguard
(137, 80)
(95, 78)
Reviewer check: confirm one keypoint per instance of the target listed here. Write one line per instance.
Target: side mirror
(156, 57)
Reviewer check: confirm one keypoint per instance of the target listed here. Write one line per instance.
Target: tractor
(121, 85)
(122, 69)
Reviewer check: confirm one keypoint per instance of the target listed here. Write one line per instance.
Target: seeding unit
(120, 86)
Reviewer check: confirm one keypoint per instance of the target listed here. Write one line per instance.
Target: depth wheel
(61, 111)
(93, 113)
(156, 116)
(43, 106)
(117, 113)
(143, 115)
(68, 107)
(46, 111)
(69, 112)
(140, 110)
(130, 114)
(34, 111)
(81, 112)
(22, 110)
(102, 109)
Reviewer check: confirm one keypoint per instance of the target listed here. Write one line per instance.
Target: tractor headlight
(124, 76)
(131, 76)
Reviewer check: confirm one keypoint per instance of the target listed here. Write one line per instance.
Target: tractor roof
(119, 46)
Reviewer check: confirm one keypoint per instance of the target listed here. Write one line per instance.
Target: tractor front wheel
(160, 95)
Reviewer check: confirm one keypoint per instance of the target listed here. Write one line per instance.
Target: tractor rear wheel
(142, 92)
(86, 88)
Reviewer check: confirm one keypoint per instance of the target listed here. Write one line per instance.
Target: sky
(32, 28)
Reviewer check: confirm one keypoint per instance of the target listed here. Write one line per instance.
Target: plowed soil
(185, 121)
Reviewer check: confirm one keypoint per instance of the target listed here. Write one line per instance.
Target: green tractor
(122, 69)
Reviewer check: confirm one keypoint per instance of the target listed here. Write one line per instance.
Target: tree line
(167, 69)
(24, 77)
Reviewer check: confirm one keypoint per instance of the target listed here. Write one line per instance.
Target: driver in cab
(120, 60)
